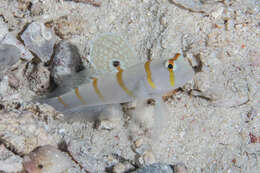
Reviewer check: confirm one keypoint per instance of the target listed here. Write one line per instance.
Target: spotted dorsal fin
(108, 49)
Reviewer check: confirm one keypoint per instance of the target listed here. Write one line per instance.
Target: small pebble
(40, 40)
(139, 142)
(123, 167)
(194, 60)
(37, 9)
(105, 125)
(146, 158)
(119, 168)
(46, 159)
(217, 12)
(180, 168)
(140, 146)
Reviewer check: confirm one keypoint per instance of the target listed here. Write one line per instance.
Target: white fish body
(150, 79)
(146, 80)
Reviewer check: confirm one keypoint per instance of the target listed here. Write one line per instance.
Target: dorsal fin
(108, 49)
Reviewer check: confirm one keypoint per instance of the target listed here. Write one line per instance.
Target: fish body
(145, 80)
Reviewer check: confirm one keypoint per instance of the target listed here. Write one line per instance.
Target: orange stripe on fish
(79, 96)
(149, 74)
(121, 82)
(62, 102)
(96, 88)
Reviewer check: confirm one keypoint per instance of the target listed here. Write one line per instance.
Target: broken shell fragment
(40, 40)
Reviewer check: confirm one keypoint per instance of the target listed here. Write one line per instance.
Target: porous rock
(68, 26)
(38, 77)
(30, 74)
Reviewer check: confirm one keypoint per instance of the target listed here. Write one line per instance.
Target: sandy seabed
(212, 124)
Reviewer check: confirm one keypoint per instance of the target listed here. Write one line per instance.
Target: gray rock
(155, 168)
(9, 55)
(3, 29)
(40, 40)
(10, 39)
(66, 61)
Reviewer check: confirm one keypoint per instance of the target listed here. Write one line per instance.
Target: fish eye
(40, 166)
(116, 63)
(170, 66)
